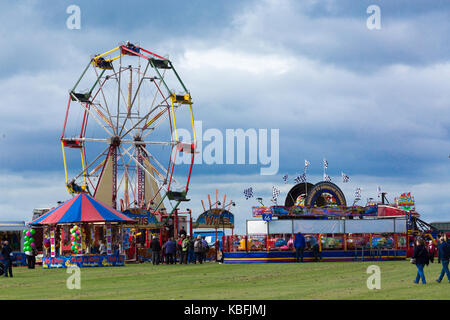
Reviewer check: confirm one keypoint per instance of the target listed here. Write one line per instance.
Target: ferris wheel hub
(114, 141)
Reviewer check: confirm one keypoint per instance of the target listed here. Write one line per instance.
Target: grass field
(326, 280)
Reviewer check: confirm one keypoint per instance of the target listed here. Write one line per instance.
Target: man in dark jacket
(7, 255)
(156, 250)
(443, 257)
(299, 244)
(421, 256)
(171, 250)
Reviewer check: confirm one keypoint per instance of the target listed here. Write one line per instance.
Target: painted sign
(406, 201)
(215, 218)
(83, 261)
(144, 218)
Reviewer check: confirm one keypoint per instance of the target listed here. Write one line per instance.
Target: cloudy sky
(374, 103)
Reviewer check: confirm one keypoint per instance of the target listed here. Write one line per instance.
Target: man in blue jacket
(299, 244)
(443, 257)
(6, 253)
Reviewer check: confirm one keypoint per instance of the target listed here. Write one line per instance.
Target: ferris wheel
(120, 139)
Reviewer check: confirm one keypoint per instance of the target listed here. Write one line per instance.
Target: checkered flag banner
(300, 178)
(248, 193)
(345, 177)
(358, 193)
(325, 163)
(285, 178)
(326, 177)
(275, 194)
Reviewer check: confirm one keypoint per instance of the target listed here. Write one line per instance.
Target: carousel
(82, 232)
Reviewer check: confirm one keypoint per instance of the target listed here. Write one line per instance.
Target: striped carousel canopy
(82, 208)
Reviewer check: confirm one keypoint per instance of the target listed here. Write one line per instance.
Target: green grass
(326, 280)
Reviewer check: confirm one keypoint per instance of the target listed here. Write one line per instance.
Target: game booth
(82, 232)
(214, 219)
(376, 231)
(137, 237)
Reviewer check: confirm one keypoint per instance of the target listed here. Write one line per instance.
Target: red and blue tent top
(82, 208)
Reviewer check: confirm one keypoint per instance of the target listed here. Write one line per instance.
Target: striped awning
(82, 208)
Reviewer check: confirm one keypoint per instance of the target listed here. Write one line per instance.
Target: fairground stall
(376, 231)
(137, 237)
(13, 232)
(82, 232)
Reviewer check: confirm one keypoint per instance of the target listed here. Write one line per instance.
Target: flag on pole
(325, 163)
(326, 177)
(358, 193)
(285, 178)
(345, 177)
(248, 193)
(275, 194)
(379, 190)
(306, 164)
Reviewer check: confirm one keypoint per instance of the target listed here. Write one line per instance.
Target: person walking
(155, 245)
(421, 256)
(184, 249)
(198, 250)
(170, 250)
(7, 256)
(443, 258)
(299, 244)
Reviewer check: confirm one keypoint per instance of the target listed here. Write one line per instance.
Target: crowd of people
(184, 250)
(424, 254)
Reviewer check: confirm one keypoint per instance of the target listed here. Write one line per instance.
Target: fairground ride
(123, 126)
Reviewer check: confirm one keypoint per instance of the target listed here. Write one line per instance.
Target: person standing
(421, 256)
(156, 250)
(31, 258)
(191, 253)
(205, 247)
(170, 248)
(182, 232)
(299, 244)
(184, 249)
(198, 250)
(315, 248)
(443, 258)
(7, 255)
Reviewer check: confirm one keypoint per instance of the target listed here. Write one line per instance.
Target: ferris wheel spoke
(155, 96)
(104, 99)
(159, 183)
(83, 172)
(139, 122)
(93, 115)
(130, 105)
